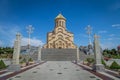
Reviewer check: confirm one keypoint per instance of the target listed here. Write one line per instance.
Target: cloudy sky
(102, 15)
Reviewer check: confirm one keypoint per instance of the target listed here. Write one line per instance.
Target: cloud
(110, 39)
(8, 31)
(101, 32)
(7, 34)
(116, 25)
(33, 42)
(108, 45)
(83, 35)
(116, 38)
(111, 35)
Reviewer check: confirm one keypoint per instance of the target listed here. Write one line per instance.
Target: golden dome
(60, 16)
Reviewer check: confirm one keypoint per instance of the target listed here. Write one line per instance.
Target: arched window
(57, 23)
(60, 30)
(62, 23)
(69, 44)
(60, 37)
(60, 43)
(51, 45)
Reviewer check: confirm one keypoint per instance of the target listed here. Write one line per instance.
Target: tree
(5, 52)
(113, 52)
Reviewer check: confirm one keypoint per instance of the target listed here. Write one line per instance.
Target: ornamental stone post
(78, 57)
(15, 66)
(39, 54)
(98, 66)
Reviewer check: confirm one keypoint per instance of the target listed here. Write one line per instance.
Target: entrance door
(60, 47)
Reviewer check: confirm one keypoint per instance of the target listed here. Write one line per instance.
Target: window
(60, 30)
(57, 23)
(62, 23)
(60, 37)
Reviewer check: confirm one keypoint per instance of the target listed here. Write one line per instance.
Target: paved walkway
(56, 70)
(104, 75)
(4, 74)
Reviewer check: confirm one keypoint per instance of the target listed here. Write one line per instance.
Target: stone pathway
(103, 75)
(2, 72)
(5, 74)
(56, 70)
(115, 74)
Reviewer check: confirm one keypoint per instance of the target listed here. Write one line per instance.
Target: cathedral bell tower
(60, 21)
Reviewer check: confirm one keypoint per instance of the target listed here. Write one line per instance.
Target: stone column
(39, 54)
(15, 66)
(78, 57)
(98, 66)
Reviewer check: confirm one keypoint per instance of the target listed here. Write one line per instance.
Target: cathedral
(60, 38)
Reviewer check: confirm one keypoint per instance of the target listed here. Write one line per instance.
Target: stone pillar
(78, 57)
(15, 66)
(39, 54)
(98, 66)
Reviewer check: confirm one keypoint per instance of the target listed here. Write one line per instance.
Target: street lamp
(29, 31)
(89, 31)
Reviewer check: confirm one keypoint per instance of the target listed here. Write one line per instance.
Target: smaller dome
(60, 16)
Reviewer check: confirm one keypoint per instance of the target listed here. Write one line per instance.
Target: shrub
(2, 64)
(21, 62)
(24, 60)
(115, 65)
(103, 62)
(90, 60)
(30, 59)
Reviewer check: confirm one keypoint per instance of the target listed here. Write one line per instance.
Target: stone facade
(60, 37)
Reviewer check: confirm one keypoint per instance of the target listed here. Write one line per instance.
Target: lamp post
(39, 53)
(29, 31)
(89, 31)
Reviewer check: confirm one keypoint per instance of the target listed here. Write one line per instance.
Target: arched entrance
(60, 48)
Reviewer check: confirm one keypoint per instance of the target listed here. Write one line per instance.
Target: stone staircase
(59, 54)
